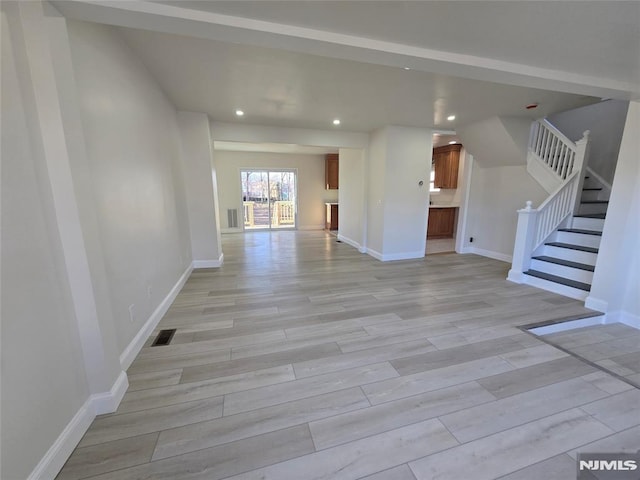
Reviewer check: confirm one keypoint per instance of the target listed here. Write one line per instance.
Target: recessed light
(336, 121)
(407, 68)
(239, 113)
(452, 142)
(451, 118)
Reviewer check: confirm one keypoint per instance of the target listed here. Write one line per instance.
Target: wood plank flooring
(303, 359)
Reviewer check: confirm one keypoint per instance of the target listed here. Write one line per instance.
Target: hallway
(301, 358)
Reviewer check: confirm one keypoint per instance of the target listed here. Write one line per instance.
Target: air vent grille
(164, 337)
(232, 217)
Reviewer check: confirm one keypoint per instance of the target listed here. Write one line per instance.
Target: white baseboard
(107, 402)
(596, 304)
(624, 317)
(488, 253)
(209, 263)
(53, 461)
(515, 277)
(390, 257)
(353, 243)
(132, 350)
(231, 230)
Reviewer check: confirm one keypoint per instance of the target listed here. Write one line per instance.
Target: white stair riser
(590, 195)
(569, 254)
(587, 208)
(583, 223)
(556, 287)
(591, 183)
(563, 271)
(578, 239)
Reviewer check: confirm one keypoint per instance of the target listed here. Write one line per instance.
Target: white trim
(311, 227)
(596, 304)
(132, 350)
(231, 230)
(52, 462)
(390, 257)
(374, 253)
(488, 253)
(573, 324)
(515, 276)
(353, 243)
(209, 263)
(624, 317)
(595, 175)
(107, 402)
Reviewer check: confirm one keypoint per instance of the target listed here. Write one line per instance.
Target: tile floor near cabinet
(303, 359)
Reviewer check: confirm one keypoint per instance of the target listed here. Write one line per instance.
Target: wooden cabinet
(331, 170)
(445, 160)
(441, 222)
(331, 217)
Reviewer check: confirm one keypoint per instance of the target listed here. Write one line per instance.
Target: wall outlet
(132, 313)
(470, 239)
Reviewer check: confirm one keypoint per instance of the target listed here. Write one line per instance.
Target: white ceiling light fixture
(336, 121)
(239, 113)
(451, 118)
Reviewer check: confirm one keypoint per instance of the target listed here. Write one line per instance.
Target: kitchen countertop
(444, 206)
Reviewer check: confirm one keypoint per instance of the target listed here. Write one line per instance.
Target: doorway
(269, 199)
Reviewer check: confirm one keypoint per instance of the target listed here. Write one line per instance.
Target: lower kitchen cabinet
(441, 223)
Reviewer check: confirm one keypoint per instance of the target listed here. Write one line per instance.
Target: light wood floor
(302, 359)
(614, 347)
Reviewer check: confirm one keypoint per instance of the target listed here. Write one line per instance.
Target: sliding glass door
(269, 199)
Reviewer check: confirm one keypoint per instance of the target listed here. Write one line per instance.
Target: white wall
(351, 198)
(133, 155)
(605, 121)
(616, 280)
(43, 381)
(375, 189)
(409, 153)
(399, 158)
(497, 141)
(494, 197)
(311, 187)
(201, 202)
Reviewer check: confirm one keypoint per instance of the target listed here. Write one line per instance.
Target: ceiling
(303, 64)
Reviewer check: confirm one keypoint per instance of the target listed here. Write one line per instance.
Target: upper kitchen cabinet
(445, 161)
(331, 169)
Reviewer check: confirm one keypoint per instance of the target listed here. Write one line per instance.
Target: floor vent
(232, 217)
(164, 337)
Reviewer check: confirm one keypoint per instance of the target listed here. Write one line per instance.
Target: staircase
(565, 262)
(556, 244)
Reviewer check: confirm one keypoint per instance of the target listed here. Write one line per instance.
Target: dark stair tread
(560, 280)
(595, 201)
(592, 189)
(580, 230)
(573, 247)
(566, 263)
(600, 216)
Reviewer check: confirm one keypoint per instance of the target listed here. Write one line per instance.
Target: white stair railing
(567, 161)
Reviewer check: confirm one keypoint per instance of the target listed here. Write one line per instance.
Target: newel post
(523, 247)
(580, 165)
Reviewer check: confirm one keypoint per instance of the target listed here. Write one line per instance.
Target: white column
(54, 147)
